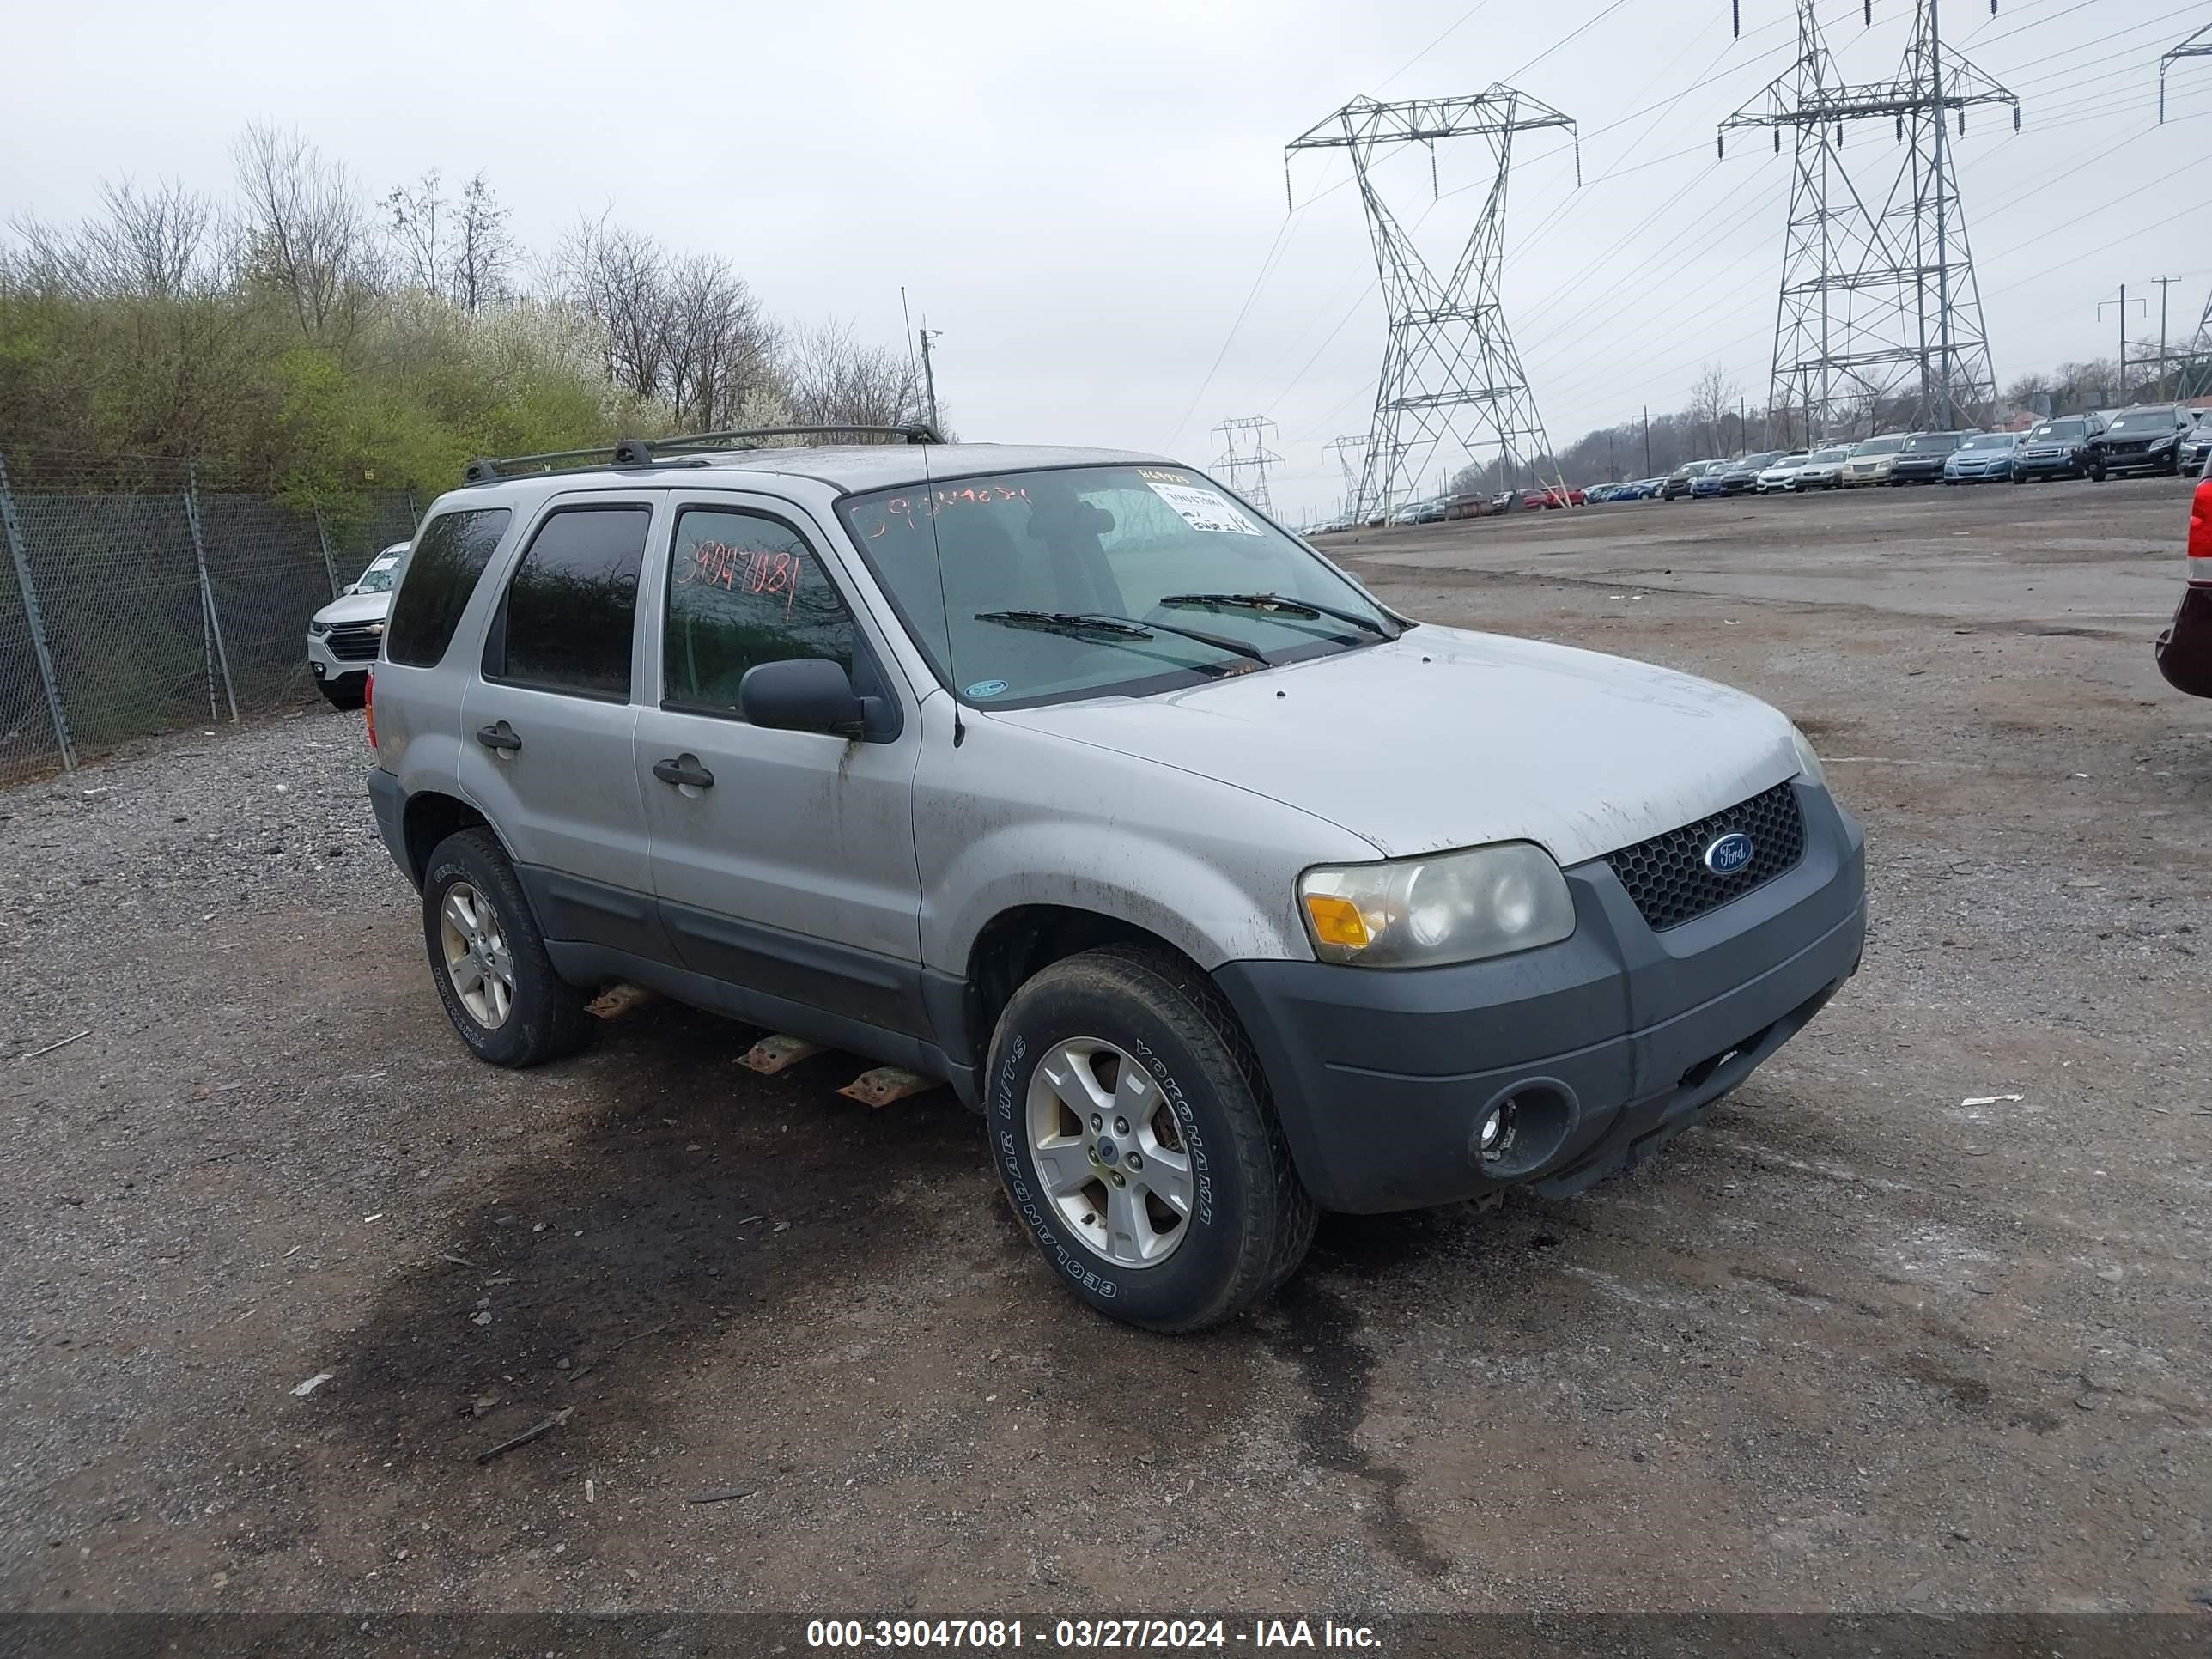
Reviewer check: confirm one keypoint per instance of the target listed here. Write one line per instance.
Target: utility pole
(1875, 300)
(1452, 385)
(2164, 284)
(2122, 302)
(928, 373)
(1240, 463)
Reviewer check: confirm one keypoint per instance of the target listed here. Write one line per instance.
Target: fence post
(207, 596)
(414, 513)
(37, 621)
(330, 565)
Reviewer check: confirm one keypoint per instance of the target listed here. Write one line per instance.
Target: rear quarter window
(448, 557)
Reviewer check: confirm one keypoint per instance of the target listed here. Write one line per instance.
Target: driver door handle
(502, 736)
(682, 770)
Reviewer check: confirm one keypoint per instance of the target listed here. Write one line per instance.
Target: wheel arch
(431, 816)
(1021, 940)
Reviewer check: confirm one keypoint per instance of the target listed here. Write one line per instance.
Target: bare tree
(483, 250)
(832, 381)
(308, 234)
(1712, 400)
(620, 278)
(416, 215)
(721, 345)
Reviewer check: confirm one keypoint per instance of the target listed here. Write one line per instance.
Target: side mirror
(349, 590)
(802, 694)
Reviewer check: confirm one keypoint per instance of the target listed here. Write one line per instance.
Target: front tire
(493, 974)
(1129, 1050)
(347, 693)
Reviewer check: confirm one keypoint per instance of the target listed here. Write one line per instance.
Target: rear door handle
(682, 770)
(502, 736)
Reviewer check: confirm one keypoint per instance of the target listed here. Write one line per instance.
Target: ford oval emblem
(1730, 853)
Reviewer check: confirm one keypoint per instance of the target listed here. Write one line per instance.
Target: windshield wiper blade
(1265, 602)
(1116, 628)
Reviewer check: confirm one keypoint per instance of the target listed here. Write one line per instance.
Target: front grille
(355, 642)
(1666, 876)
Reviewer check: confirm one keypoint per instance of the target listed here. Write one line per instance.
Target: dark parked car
(1921, 460)
(1741, 477)
(2063, 448)
(2184, 650)
(2147, 440)
(1680, 480)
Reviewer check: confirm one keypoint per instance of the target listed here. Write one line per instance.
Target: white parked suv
(344, 636)
(1223, 892)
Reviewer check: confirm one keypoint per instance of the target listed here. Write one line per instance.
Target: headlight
(1425, 911)
(319, 629)
(1808, 759)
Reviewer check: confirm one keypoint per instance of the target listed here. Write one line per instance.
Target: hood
(355, 608)
(1448, 738)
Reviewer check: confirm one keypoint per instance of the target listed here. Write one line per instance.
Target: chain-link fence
(142, 599)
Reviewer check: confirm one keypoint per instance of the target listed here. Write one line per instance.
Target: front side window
(449, 555)
(570, 606)
(743, 589)
(1138, 553)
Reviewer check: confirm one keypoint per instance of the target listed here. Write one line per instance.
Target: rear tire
(1249, 1220)
(524, 1013)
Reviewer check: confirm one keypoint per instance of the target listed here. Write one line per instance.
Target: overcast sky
(1084, 199)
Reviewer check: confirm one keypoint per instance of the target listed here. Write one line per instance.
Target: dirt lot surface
(1919, 1319)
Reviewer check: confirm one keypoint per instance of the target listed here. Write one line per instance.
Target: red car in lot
(2184, 650)
(1553, 496)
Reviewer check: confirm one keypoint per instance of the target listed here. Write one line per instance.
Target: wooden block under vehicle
(887, 1083)
(775, 1053)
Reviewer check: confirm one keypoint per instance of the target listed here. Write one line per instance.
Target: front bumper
(1380, 1078)
(2184, 650)
(1913, 475)
(329, 669)
(2164, 460)
(2052, 466)
(1855, 477)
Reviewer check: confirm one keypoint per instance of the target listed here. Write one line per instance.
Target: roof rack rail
(646, 452)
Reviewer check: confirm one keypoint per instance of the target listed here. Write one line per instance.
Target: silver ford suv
(1223, 893)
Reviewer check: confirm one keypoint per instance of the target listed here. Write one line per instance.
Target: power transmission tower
(1452, 385)
(1877, 304)
(2198, 45)
(1241, 463)
(2196, 362)
(1345, 448)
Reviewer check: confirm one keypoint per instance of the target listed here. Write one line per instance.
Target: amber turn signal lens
(1337, 921)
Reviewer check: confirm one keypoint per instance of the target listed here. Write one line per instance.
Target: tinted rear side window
(441, 574)
(566, 622)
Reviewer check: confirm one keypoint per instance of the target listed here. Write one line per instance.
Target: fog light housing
(1493, 1137)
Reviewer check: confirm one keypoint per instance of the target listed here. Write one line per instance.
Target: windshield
(2058, 432)
(1829, 458)
(1931, 443)
(1111, 542)
(1785, 463)
(2156, 420)
(1991, 441)
(1881, 446)
(377, 579)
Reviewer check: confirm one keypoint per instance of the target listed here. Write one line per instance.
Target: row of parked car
(2167, 438)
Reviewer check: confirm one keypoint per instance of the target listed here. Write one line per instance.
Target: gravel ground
(1918, 1320)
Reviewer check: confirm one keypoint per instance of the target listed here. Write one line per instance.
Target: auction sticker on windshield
(1204, 509)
